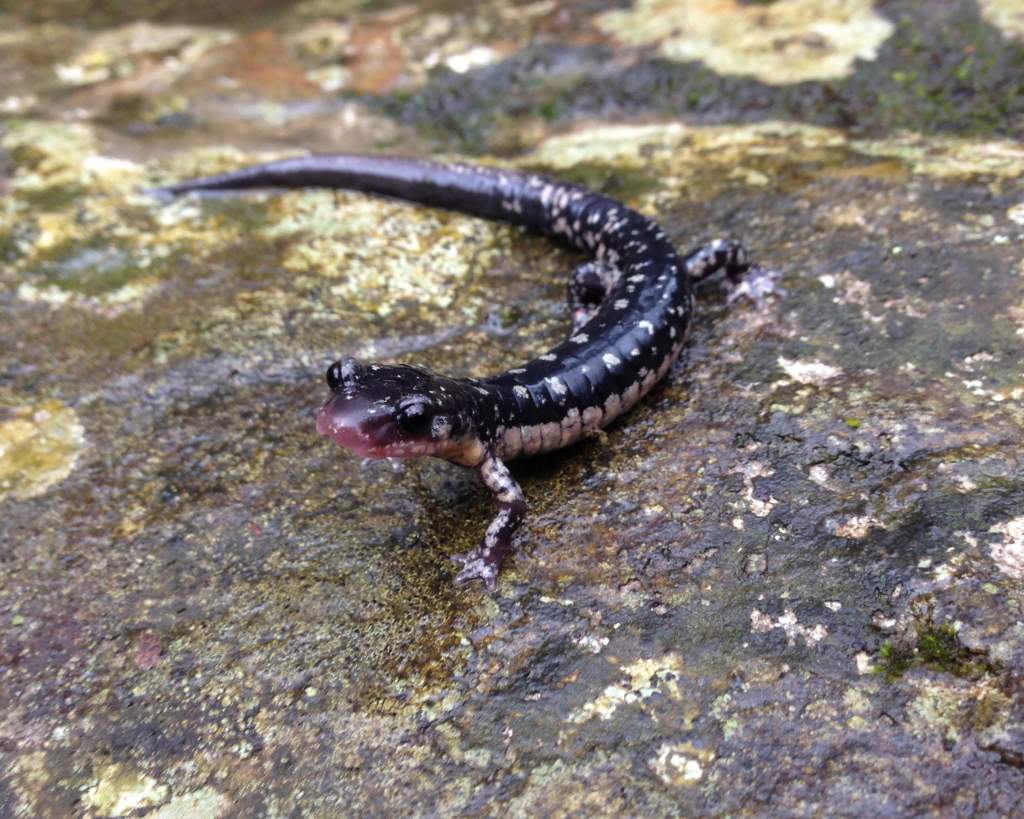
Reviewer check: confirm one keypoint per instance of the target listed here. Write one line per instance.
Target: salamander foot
(757, 284)
(476, 566)
(485, 562)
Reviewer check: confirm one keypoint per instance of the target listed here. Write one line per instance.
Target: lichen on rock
(787, 41)
(39, 447)
(788, 582)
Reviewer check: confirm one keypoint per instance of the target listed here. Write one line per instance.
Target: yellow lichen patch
(50, 155)
(677, 152)
(787, 41)
(31, 777)
(682, 159)
(120, 790)
(39, 446)
(641, 680)
(323, 39)
(47, 154)
(681, 763)
(103, 251)
(381, 253)
(1009, 554)
(123, 52)
(110, 303)
(1006, 15)
(761, 623)
(326, 43)
(1016, 313)
(947, 157)
(630, 145)
(205, 803)
(949, 708)
(673, 143)
(395, 48)
(809, 372)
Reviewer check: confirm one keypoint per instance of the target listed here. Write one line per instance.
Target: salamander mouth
(365, 427)
(351, 422)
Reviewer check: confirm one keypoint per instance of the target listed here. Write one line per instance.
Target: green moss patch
(936, 648)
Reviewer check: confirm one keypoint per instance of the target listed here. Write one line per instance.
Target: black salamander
(631, 305)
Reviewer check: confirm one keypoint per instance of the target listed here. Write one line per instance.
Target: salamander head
(381, 411)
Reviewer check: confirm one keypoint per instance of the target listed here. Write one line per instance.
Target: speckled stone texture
(790, 582)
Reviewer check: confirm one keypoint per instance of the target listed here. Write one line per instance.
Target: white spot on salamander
(547, 357)
(621, 304)
(611, 360)
(646, 325)
(557, 386)
(580, 338)
(521, 391)
(635, 352)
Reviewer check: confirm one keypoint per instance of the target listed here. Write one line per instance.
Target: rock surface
(791, 582)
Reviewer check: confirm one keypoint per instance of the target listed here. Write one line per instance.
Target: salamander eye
(334, 376)
(341, 373)
(414, 416)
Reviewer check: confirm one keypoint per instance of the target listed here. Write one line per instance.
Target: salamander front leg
(484, 562)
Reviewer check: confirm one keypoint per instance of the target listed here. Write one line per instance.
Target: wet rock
(789, 582)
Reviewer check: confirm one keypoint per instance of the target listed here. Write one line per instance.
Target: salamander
(630, 304)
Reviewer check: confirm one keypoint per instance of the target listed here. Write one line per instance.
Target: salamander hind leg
(588, 285)
(484, 563)
(720, 254)
(750, 281)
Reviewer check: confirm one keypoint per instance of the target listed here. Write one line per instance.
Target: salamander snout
(381, 411)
